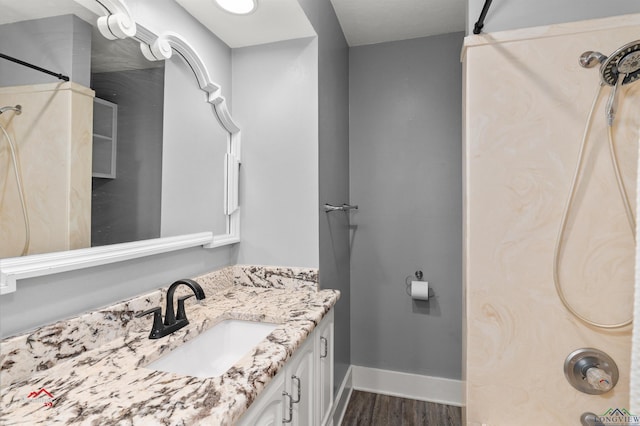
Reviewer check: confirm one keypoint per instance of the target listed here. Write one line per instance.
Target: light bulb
(238, 7)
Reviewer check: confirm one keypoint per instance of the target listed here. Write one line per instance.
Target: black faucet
(171, 321)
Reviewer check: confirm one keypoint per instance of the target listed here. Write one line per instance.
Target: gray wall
(333, 145)
(127, 208)
(276, 103)
(511, 14)
(43, 300)
(406, 176)
(61, 44)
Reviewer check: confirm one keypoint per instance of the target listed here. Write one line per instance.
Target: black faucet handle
(182, 314)
(156, 310)
(158, 327)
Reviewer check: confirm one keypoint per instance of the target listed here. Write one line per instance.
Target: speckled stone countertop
(91, 369)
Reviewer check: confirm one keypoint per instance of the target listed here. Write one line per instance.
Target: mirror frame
(116, 22)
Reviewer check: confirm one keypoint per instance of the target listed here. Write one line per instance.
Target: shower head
(623, 62)
(622, 67)
(17, 109)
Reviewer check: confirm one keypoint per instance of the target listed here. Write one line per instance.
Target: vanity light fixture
(238, 7)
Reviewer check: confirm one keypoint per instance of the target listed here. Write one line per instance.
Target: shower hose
(18, 174)
(568, 206)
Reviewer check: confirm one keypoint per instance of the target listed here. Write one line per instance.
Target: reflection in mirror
(194, 151)
(112, 188)
(55, 151)
(127, 143)
(49, 143)
(68, 208)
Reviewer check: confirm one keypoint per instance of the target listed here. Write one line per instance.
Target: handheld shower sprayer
(18, 174)
(622, 67)
(17, 109)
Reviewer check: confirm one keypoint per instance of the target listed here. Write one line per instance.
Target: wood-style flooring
(370, 409)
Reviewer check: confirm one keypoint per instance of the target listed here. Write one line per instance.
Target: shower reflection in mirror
(53, 194)
(85, 164)
(15, 162)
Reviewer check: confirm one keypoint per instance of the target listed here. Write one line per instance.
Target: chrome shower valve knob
(598, 379)
(591, 371)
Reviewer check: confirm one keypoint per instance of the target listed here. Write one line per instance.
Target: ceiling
(362, 21)
(378, 21)
(273, 20)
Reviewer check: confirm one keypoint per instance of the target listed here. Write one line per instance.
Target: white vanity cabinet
(269, 408)
(324, 368)
(301, 394)
(300, 384)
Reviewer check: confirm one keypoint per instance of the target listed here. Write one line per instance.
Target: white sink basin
(216, 350)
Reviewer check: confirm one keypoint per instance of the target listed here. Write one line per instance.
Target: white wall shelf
(105, 138)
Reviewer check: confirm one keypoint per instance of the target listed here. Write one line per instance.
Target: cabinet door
(324, 370)
(309, 374)
(300, 384)
(268, 409)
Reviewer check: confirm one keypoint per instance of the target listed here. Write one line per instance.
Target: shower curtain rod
(35, 67)
(477, 28)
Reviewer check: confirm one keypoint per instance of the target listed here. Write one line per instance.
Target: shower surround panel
(54, 143)
(526, 105)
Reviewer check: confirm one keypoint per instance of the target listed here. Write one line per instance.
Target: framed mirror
(214, 221)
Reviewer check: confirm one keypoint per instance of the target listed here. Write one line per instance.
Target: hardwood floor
(370, 409)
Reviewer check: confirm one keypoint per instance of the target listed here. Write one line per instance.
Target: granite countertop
(91, 369)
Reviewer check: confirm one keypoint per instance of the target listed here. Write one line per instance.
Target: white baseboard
(342, 398)
(405, 385)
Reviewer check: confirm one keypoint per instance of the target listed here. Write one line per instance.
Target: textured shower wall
(53, 140)
(526, 104)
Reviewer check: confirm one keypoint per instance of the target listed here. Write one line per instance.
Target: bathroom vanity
(95, 368)
(302, 392)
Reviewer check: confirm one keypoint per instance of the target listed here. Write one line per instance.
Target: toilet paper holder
(418, 289)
